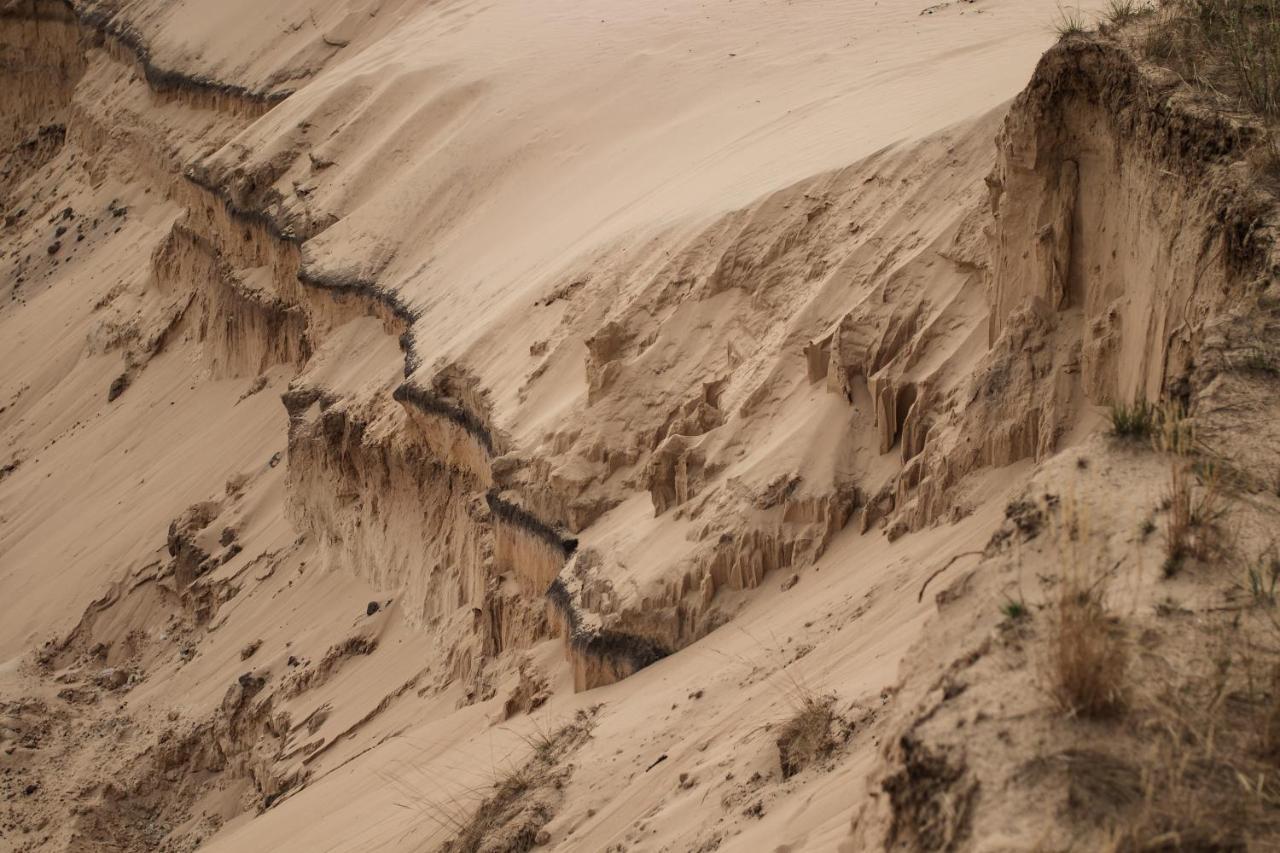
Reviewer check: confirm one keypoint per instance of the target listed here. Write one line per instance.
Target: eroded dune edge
(755, 528)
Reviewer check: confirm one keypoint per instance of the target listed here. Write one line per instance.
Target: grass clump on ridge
(1070, 22)
(1212, 740)
(1014, 610)
(1231, 47)
(1087, 659)
(1194, 498)
(1263, 575)
(506, 815)
(1133, 421)
(808, 735)
(1120, 12)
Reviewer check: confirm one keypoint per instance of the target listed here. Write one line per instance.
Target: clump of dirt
(84, 773)
(932, 797)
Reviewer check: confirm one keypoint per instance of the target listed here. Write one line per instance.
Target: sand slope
(639, 365)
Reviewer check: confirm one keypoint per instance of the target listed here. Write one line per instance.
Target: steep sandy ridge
(1133, 256)
(238, 99)
(514, 377)
(516, 322)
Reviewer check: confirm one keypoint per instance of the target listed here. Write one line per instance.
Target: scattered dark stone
(656, 762)
(120, 211)
(60, 230)
(79, 238)
(118, 386)
(31, 789)
(249, 650)
(251, 683)
(228, 536)
(790, 582)
(371, 609)
(67, 213)
(293, 661)
(54, 247)
(275, 459)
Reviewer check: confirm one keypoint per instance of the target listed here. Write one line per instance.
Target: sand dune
(611, 427)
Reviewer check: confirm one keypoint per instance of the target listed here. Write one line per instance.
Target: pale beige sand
(690, 267)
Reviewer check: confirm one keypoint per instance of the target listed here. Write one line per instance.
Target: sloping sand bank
(640, 367)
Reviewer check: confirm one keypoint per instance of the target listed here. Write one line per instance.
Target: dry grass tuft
(1194, 498)
(1263, 576)
(1210, 775)
(1137, 421)
(522, 799)
(809, 734)
(1087, 652)
(1117, 13)
(1070, 22)
(1229, 47)
(506, 815)
(510, 818)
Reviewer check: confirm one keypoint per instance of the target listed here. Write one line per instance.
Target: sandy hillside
(624, 427)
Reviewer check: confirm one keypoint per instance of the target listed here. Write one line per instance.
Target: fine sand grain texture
(617, 426)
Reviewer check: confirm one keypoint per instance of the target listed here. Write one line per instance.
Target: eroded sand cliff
(444, 426)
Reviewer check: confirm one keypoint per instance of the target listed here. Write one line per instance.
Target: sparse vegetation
(1228, 47)
(1134, 421)
(1014, 610)
(1194, 497)
(809, 734)
(508, 815)
(1087, 657)
(1070, 22)
(1177, 531)
(1208, 778)
(1263, 576)
(1117, 13)
(1087, 653)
